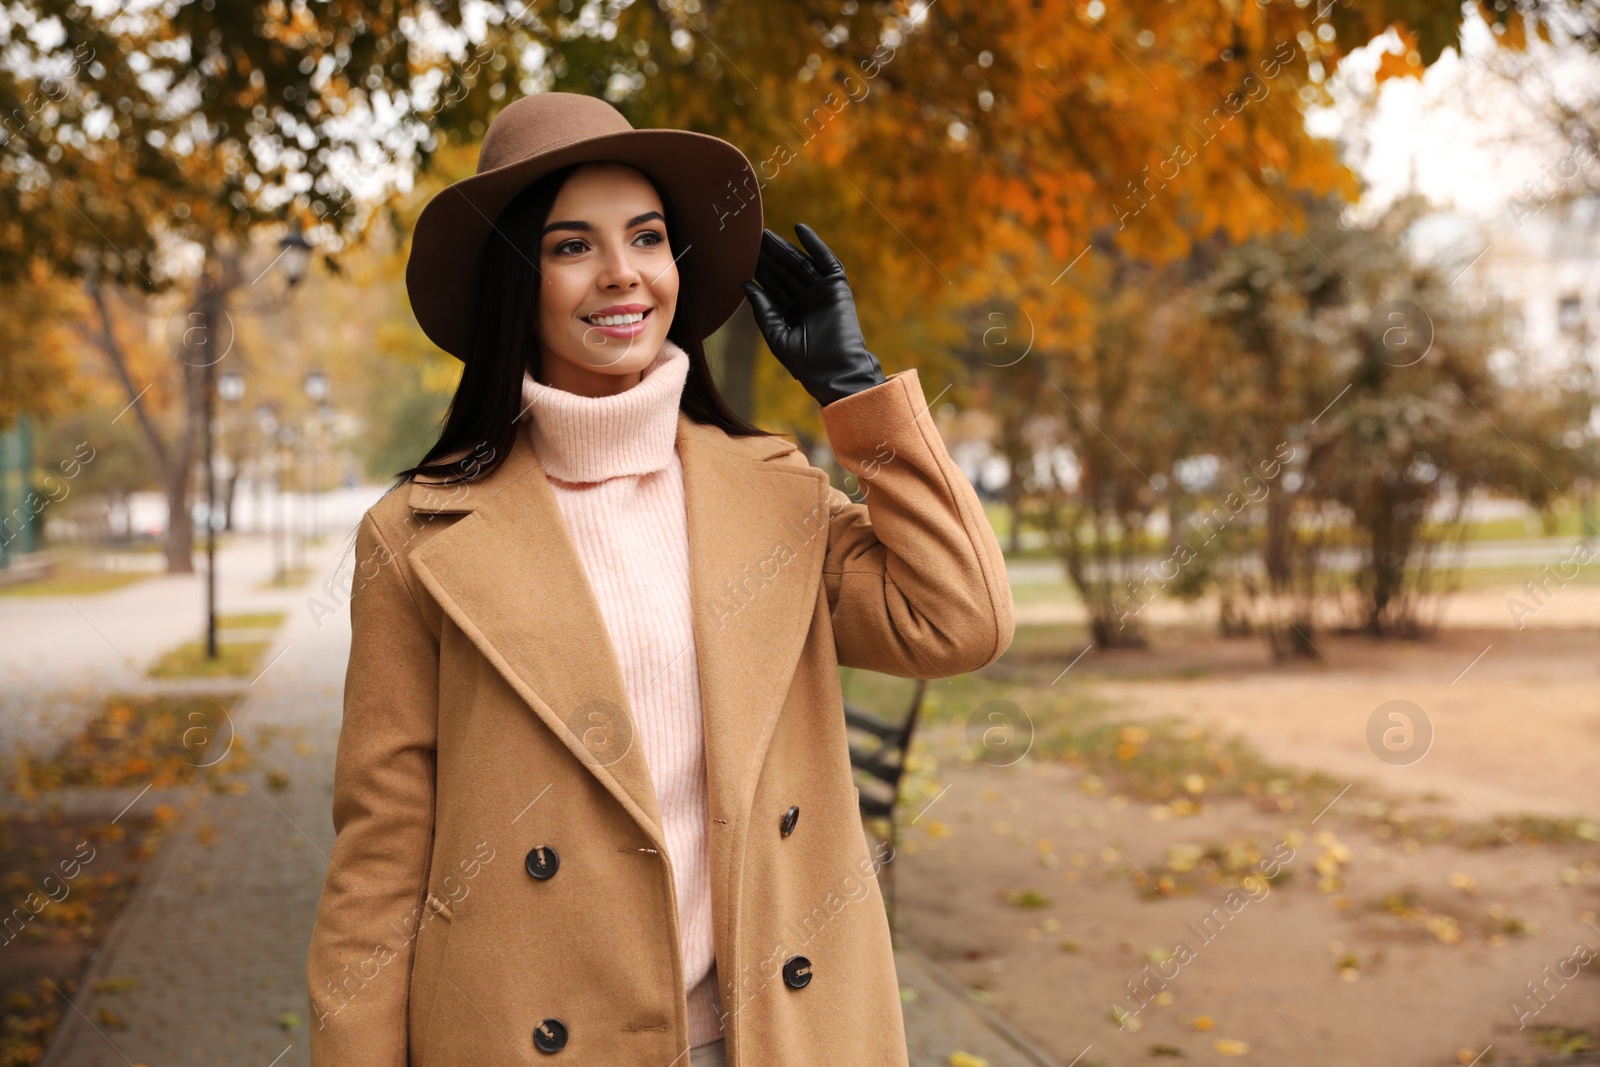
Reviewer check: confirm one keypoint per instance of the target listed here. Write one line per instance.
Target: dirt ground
(1405, 921)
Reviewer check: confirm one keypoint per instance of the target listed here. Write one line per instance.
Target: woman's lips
(632, 329)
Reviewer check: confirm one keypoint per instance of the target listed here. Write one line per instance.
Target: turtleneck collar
(593, 438)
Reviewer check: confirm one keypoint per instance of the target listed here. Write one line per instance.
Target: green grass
(236, 659)
(1532, 830)
(1469, 580)
(1152, 759)
(1045, 593)
(1566, 524)
(1493, 577)
(74, 581)
(250, 620)
(1561, 1041)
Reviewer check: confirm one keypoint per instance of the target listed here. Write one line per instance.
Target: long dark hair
(481, 418)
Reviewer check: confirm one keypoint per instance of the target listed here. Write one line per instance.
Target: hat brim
(715, 203)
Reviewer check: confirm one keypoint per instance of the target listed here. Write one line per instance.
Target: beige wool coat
(499, 890)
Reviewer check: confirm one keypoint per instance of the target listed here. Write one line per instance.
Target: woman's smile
(621, 320)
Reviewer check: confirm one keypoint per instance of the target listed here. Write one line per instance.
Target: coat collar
(757, 533)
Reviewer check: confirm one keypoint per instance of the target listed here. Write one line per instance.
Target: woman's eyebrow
(578, 224)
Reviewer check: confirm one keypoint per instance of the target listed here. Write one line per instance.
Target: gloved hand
(806, 312)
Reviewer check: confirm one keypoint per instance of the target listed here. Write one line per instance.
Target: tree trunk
(180, 523)
(180, 527)
(1012, 493)
(1276, 556)
(173, 468)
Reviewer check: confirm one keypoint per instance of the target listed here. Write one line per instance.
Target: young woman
(593, 796)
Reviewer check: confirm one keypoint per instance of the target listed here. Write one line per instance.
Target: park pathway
(214, 941)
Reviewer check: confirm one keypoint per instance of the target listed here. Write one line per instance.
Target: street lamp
(296, 255)
(230, 385)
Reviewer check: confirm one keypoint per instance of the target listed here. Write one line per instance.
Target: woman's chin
(621, 355)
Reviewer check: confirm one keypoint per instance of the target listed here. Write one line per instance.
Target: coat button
(790, 817)
(797, 972)
(550, 1036)
(542, 863)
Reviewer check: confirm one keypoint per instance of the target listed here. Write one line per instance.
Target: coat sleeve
(915, 579)
(383, 800)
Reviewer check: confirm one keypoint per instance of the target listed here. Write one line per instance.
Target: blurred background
(1266, 330)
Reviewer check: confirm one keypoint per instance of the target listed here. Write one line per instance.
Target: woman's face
(608, 283)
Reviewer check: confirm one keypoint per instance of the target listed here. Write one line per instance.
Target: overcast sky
(1471, 139)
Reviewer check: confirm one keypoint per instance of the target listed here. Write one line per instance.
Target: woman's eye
(572, 247)
(655, 236)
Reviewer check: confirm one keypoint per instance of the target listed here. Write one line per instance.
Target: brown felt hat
(713, 204)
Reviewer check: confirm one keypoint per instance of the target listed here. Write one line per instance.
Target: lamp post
(295, 254)
(208, 313)
(316, 387)
(267, 423)
(327, 419)
(287, 436)
(230, 386)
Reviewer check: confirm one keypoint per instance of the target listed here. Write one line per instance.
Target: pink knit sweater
(614, 468)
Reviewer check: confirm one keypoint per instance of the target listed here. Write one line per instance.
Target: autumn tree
(1428, 423)
(1359, 408)
(924, 141)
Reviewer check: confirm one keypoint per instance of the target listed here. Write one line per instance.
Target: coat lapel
(509, 576)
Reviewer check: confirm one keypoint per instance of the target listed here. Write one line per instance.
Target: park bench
(878, 748)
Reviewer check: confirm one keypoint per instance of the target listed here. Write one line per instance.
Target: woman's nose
(618, 271)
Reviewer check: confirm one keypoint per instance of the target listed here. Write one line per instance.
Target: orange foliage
(1405, 63)
(38, 349)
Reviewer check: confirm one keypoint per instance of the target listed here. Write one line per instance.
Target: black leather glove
(807, 313)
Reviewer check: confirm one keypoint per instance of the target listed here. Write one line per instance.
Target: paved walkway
(215, 938)
(59, 654)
